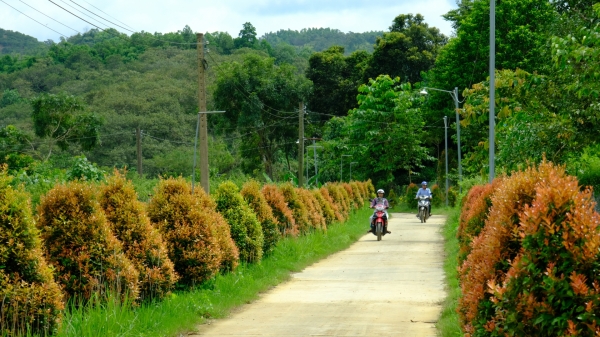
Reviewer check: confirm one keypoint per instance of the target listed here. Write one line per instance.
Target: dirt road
(389, 288)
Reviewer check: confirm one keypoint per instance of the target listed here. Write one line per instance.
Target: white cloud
(219, 15)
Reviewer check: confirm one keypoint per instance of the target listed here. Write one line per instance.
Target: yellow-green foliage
(281, 211)
(142, 243)
(339, 216)
(359, 198)
(87, 257)
(411, 193)
(297, 206)
(30, 299)
(251, 193)
(364, 190)
(370, 189)
(340, 196)
(350, 195)
(326, 207)
(230, 253)
(188, 229)
(315, 213)
(245, 227)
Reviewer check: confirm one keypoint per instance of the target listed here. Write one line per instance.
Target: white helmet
(380, 191)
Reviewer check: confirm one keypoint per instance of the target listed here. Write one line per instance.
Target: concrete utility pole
(301, 145)
(446, 150)
(492, 116)
(314, 147)
(138, 134)
(204, 179)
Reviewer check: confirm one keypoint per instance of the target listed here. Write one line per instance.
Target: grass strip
(214, 299)
(448, 325)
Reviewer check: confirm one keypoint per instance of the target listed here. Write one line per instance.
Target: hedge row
(92, 240)
(531, 246)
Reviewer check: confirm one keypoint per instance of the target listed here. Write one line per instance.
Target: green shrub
(31, 300)
(82, 169)
(251, 193)
(411, 193)
(87, 257)
(193, 245)
(142, 243)
(392, 198)
(452, 196)
(339, 216)
(370, 189)
(281, 211)
(244, 225)
(297, 206)
(439, 196)
(339, 198)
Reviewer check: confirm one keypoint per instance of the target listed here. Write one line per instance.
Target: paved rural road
(389, 288)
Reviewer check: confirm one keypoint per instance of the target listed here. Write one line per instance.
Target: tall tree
(247, 37)
(410, 48)
(260, 98)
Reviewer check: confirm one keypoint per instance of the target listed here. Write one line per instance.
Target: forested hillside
(16, 43)
(320, 39)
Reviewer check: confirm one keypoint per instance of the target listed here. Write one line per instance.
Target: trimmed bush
(244, 225)
(281, 211)
(452, 196)
(251, 193)
(473, 215)
(87, 257)
(31, 300)
(188, 229)
(533, 270)
(411, 193)
(313, 208)
(326, 207)
(439, 196)
(324, 191)
(297, 206)
(392, 198)
(340, 199)
(352, 203)
(370, 189)
(142, 243)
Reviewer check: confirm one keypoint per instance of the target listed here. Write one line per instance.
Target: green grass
(448, 324)
(215, 299)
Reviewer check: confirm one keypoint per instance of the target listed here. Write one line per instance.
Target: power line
(51, 18)
(108, 14)
(66, 10)
(61, 34)
(101, 17)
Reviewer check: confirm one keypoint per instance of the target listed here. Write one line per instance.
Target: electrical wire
(49, 17)
(66, 10)
(108, 14)
(102, 17)
(61, 34)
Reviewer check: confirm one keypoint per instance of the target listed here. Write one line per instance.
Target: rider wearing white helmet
(379, 200)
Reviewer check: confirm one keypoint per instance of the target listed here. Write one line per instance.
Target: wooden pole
(204, 177)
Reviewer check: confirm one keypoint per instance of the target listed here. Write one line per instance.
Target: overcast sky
(215, 15)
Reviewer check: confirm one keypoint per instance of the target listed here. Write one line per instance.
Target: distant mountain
(322, 38)
(17, 43)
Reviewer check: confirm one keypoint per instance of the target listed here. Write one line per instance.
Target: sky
(214, 15)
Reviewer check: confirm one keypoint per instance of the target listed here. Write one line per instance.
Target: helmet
(424, 183)
(380, 191)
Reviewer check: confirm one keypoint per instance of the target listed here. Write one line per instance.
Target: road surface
(393, 287)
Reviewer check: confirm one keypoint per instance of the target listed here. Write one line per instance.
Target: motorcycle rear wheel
(379, 231)
(422, 215)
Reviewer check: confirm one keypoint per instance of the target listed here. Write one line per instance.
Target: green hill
(322, 38)
(18, 43)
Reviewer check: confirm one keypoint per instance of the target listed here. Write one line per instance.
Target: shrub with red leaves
(281, 211)
(256, 200)
(313, 208)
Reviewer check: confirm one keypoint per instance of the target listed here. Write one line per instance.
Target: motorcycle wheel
(379, 231)
(422, 215)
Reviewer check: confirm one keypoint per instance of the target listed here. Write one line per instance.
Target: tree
(409, 48)
(62, 119)
(260, 98)
(247, 37)
(335, 80)
(384, 133)
(14, 148)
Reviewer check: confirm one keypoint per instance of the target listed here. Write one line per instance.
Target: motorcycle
(423, 205)
(379, 226)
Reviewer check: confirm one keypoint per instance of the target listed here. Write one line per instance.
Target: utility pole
(203, 130)
(446, 150)
(314, 146)
(301, 145)
(492, 115)
(138, 134)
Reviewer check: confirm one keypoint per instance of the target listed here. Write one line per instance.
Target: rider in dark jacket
(379, 200)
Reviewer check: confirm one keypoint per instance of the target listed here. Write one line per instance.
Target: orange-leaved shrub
(552, 286)
(281, 211)
(473, 215)
(31, 301)
(143, 244)
(243, 223)
(257, 202)
(326, 207)
(499, 247)
(87, 257)
(324, 191)
(297, 206)
(364, 190)
(188, 229)
(339, 198)
(359, 197)
(313, 208)
(350, 195)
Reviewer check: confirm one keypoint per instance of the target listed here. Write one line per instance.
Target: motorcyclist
(379, 200)
(424, 191)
